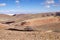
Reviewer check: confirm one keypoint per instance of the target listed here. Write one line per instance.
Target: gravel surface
(28, 35)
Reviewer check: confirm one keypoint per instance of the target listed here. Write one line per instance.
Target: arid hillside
(21, 17)
(40, 26)
(38, 23)
(5, 18)
(41, 21)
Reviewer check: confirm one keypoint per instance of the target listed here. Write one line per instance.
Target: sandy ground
(28, 35)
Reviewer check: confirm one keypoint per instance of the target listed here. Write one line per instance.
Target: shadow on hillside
(12, 29)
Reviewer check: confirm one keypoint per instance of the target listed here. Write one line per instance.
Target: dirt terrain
(25, 35)
(40, 26)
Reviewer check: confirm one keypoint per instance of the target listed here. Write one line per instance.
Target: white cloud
(50, 1)
(47, 6)
(2, 11)
(17, 1)
(56, 5)
(2, 4)
(12, 10)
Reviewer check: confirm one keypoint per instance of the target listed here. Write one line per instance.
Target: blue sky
(29, 6)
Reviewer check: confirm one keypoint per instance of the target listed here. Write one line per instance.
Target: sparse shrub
(52, 14)
(43, 15)
(23, 23)
(57, 13)
(28, 28)
(47, 15)
(56, 30)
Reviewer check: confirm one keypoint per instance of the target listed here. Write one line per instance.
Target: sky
(29, 6)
